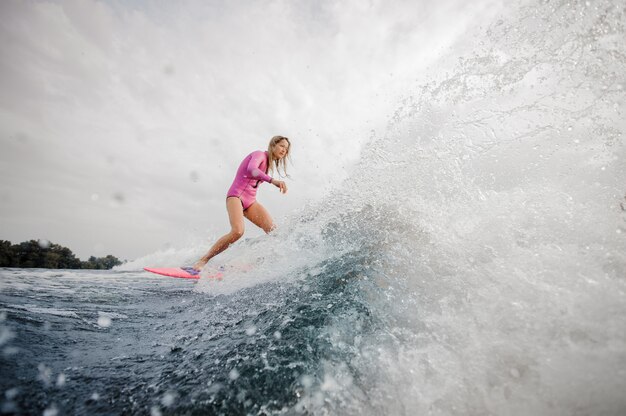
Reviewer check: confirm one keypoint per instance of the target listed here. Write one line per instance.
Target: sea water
(474, 262)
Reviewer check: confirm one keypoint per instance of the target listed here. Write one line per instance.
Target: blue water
(473, 262)
(128, 342)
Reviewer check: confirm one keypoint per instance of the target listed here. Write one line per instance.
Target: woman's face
(280, 149)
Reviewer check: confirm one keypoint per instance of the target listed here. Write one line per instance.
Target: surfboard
(177, 272)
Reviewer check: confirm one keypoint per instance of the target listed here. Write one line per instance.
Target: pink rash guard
(252, 170)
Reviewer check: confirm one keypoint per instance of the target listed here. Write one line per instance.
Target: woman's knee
(236, 233)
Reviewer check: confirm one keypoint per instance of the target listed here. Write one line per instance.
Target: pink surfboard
(177, 272)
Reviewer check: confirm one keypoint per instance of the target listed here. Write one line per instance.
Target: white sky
(122, 123)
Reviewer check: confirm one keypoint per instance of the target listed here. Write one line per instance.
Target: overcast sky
(122, 123)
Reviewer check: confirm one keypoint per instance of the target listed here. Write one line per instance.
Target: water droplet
(168, 398)
(61, 380)
(117, 199)
(6, 334)
(169, 70)
(251, 330)
(51, 411)
(45, 373)
(11, 393)
(307, 381)
(104, 321)
(43, 243)
(234, 374)
(277, 335)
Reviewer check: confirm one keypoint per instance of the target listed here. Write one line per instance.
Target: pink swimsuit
(252, 170)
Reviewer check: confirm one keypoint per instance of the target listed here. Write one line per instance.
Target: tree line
(46, 255)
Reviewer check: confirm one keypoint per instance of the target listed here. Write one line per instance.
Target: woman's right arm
(280, 185)
(253, 171)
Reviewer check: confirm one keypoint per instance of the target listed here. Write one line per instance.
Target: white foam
(46, 311)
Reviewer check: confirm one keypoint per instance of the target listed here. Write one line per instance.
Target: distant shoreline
(43, 254)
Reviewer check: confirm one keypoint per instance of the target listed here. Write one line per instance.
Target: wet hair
(275, 163)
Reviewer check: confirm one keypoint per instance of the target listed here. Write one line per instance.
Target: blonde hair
(275, 162)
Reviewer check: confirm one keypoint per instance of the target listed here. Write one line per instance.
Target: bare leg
(235, 215)
(258, 215)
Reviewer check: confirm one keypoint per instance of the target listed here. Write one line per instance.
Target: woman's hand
(280, 185)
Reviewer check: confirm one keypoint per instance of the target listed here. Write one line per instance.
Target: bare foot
(199, 265)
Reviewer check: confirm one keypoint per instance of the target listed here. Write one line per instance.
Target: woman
(241, 197)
